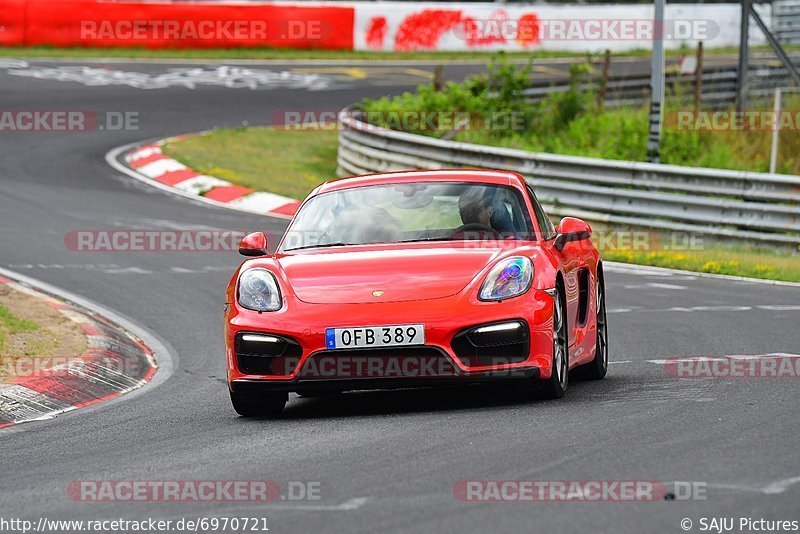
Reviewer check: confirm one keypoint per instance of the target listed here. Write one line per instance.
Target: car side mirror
(571, 229)
(254, 244)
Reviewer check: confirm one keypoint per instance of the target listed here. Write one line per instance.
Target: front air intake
(266, 354)
(493, 344)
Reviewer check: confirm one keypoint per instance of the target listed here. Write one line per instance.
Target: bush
(570, 122)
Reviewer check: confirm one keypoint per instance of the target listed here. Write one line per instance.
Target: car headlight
(258, 290)
(509, 278)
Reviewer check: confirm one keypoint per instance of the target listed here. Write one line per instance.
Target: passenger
(475, 208)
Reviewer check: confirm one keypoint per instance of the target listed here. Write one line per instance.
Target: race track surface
(386, 461)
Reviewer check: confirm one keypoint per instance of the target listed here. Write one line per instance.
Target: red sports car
(413, 279)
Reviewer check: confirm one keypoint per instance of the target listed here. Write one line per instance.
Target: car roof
(445, 175)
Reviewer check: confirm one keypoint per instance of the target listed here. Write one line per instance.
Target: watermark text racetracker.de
(407, 120)
(748, 120)
(43, 366)
(204, 30)
(153, 240)
(67, 120)
(213, 240)
(578, 490)
(607, 240)
(734, 367)
(532, 29)
(193, 490)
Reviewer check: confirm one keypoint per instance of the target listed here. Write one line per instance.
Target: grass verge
(716, 260)
(11, 325)
(257, 53)
(282, 162)
(29, 329)
(573, 122)
(291, 163)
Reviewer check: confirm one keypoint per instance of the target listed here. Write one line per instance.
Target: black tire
(557, 384)
(268, 404)
(598, 368)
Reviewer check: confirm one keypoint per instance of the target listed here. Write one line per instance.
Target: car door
(572, 265)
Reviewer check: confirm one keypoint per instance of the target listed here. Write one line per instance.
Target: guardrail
(786, 21)
(746, 206)
(718, 87)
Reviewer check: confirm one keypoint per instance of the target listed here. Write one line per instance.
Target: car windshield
(409, 212)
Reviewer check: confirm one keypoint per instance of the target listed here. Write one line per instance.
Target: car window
(419, 211)
(545, 224)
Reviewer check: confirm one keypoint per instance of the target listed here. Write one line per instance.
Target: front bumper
(446, 321)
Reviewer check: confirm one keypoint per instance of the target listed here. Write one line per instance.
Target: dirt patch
(32, 333)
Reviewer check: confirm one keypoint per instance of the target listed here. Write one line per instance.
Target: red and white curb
(115, 362)
(152, 165)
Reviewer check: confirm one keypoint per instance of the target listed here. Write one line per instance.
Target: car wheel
(268, 404)
(556, 385)
(599, 366)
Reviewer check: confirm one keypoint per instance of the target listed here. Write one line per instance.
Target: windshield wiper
(444, 238)
(338, 244)
(321, 245)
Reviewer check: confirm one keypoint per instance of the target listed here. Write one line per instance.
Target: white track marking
(230, 77)
(655, 285)
(723, 358)
(259, 201)
(764, 356)
(772, 488)
(199, 270)
(161, 166)
(200, 184)
(688, 359)
(780, 486)
(629, 268)
(6, 63)
(699, 309)
(144, 153)
(666, 286)
(112, 159)
(347, 506)
(721, 308)
(692, 309)
(163, 355)
(128, 270)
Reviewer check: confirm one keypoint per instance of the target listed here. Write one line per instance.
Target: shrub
(570, 122)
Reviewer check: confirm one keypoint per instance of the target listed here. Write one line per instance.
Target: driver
(475, 207)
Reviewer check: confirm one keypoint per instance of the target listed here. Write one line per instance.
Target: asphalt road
(385, 461)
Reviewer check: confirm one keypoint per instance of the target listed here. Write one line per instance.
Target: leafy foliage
(571, 122)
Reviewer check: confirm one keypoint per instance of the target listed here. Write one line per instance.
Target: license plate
(375, 336)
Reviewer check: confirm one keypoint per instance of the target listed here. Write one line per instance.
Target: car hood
(359, 276)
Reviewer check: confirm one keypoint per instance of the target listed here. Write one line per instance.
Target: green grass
(621, 134)
(574, 123)
(11, 324)
(716, 259)
(291, 163)
(282, 162)
(268, 53)
(256, 53)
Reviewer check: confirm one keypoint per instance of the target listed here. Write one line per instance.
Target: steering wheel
(480, 231)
